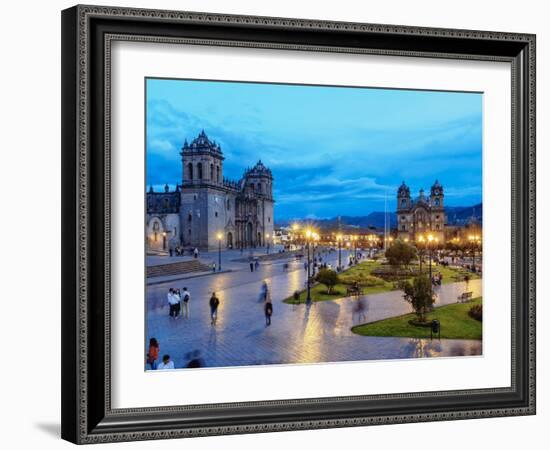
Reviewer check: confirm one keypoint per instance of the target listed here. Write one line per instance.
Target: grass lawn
(454, 319)
(319, 291)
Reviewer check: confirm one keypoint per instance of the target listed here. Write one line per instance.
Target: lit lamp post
(355, 247)
(421, 241)
(267, 243)
(308, 238)
(339, 239)
(474, 240)
(430, 240)
(164, 240)
(219, 236)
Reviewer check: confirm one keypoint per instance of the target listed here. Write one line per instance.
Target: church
(206, 206)
(421, 216)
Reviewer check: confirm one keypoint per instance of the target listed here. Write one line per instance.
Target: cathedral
(420, 216)
(206, 206)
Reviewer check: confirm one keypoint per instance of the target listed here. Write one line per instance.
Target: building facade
(207, 205)
(422, 216)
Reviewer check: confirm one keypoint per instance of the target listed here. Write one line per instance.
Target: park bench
(465, 297)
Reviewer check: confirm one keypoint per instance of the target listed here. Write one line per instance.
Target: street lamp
(475, 240)
(219, 236)
(309, 233)
(421, 241)
(164, 240)
(267, 242)
(355, 247)
(430, 240)
(339, 239)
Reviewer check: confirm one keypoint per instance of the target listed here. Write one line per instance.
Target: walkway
(298, 334)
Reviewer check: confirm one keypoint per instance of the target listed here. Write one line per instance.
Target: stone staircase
(176, 268)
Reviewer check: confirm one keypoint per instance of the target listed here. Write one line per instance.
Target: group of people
(178, 301)
(178, 250)
(254, 264)
(194, 359)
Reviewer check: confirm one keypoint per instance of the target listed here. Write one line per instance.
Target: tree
(329, 278)
(401, 254)
(419, 294)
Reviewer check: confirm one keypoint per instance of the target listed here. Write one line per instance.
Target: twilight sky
(333, 151)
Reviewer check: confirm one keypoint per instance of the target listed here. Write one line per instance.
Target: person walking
(186, 296)
(214, 303)
(166, 363)
(251, 266)
(268, 310)
(170, 298)
(153, 353)
(196, 253)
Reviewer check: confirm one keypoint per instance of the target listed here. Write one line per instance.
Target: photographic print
(290, 224)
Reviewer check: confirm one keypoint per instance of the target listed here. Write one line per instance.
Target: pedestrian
(268, 310)
(305, 265)
(171, 251)
(214, 267)
(170, 298)
(186, 296)
(256, 265)
(153, 353)
(251, 266)
(196, 253)
(214, 303)
(166, 364)
(264, 292)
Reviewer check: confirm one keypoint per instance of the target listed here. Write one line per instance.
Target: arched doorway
(230, 240)
(259, 243)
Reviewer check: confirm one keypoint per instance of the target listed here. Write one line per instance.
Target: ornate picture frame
(87, 35)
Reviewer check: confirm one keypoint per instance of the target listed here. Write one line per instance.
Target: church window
(269, 220)
(216, 214)
(212, 172)
(218, 174)
(189, 217)
(403, 202)
(403, 227)
(437, 227)
(199, 171)
(403, 218)
(189, 231)
(166, 203)
(228, 205)
(190, 170)
(259, 187)
(436, 202)
(437, 217)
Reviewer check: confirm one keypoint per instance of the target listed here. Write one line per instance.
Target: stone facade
(207, 205)
(421, 216)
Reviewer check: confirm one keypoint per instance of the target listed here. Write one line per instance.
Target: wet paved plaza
(298, 333)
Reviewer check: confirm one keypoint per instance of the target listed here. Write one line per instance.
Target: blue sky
(333, 150)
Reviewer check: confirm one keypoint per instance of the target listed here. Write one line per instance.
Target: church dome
(259, 170)
(202, 143)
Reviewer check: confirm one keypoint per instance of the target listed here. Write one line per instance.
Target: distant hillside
(456, 215)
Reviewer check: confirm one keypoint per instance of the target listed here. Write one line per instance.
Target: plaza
(300, 333)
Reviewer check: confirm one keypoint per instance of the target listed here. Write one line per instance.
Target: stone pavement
(298, 334)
